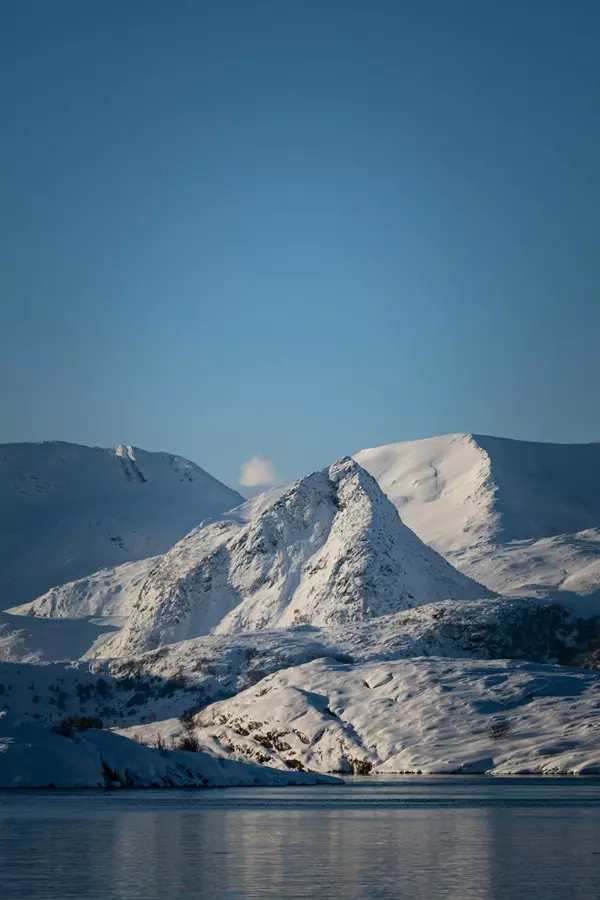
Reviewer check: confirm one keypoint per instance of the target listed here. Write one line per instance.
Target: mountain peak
(328, 549)
(348, 468)
(68, 510)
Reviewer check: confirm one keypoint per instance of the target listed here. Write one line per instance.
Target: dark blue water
(419, 839)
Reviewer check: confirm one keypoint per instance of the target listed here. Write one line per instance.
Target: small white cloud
(257, 472)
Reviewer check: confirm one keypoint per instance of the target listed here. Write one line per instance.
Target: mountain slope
(329, 549)
(106, 593)
(221, 665)
(32, 639)
(67, 510)
(35, 756)
(515, 515)
(411, 716)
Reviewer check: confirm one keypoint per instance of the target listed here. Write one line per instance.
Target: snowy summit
(329, 549)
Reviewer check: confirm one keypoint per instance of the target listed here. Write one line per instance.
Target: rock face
(67, 511)
(518, 516)
(330, 549)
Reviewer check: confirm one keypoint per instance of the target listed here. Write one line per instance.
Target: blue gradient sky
(298, 227)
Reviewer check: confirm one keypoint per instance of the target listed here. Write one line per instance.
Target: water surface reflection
(419, 839)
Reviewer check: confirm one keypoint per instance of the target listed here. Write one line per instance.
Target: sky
(272, 233)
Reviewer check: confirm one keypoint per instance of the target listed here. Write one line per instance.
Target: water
(419, 839)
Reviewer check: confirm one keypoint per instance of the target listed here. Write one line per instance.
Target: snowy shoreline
(334, 780)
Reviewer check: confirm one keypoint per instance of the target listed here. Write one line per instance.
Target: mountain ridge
(519, 516)
(68, 510)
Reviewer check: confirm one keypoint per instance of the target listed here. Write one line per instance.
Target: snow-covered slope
(217, 666)
(329, 549)
(67, 511)
(418, 715)
(31, 755)
(36, 639)
(107, 593)
(561, 566)
(196, 672)
(517, 516)
(51, 691)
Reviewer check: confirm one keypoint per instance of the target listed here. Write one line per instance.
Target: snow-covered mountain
(67, 510)
(308, 628)
(519, 517)
(329, 549)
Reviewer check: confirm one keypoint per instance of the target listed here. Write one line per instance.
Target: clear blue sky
(299, 227)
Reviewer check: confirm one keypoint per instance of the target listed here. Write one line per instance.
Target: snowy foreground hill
(32, 755)
(310, 630)
(517, 516)
(415, 716)
(68, 510)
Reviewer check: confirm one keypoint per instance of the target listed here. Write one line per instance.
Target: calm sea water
(419, 839)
